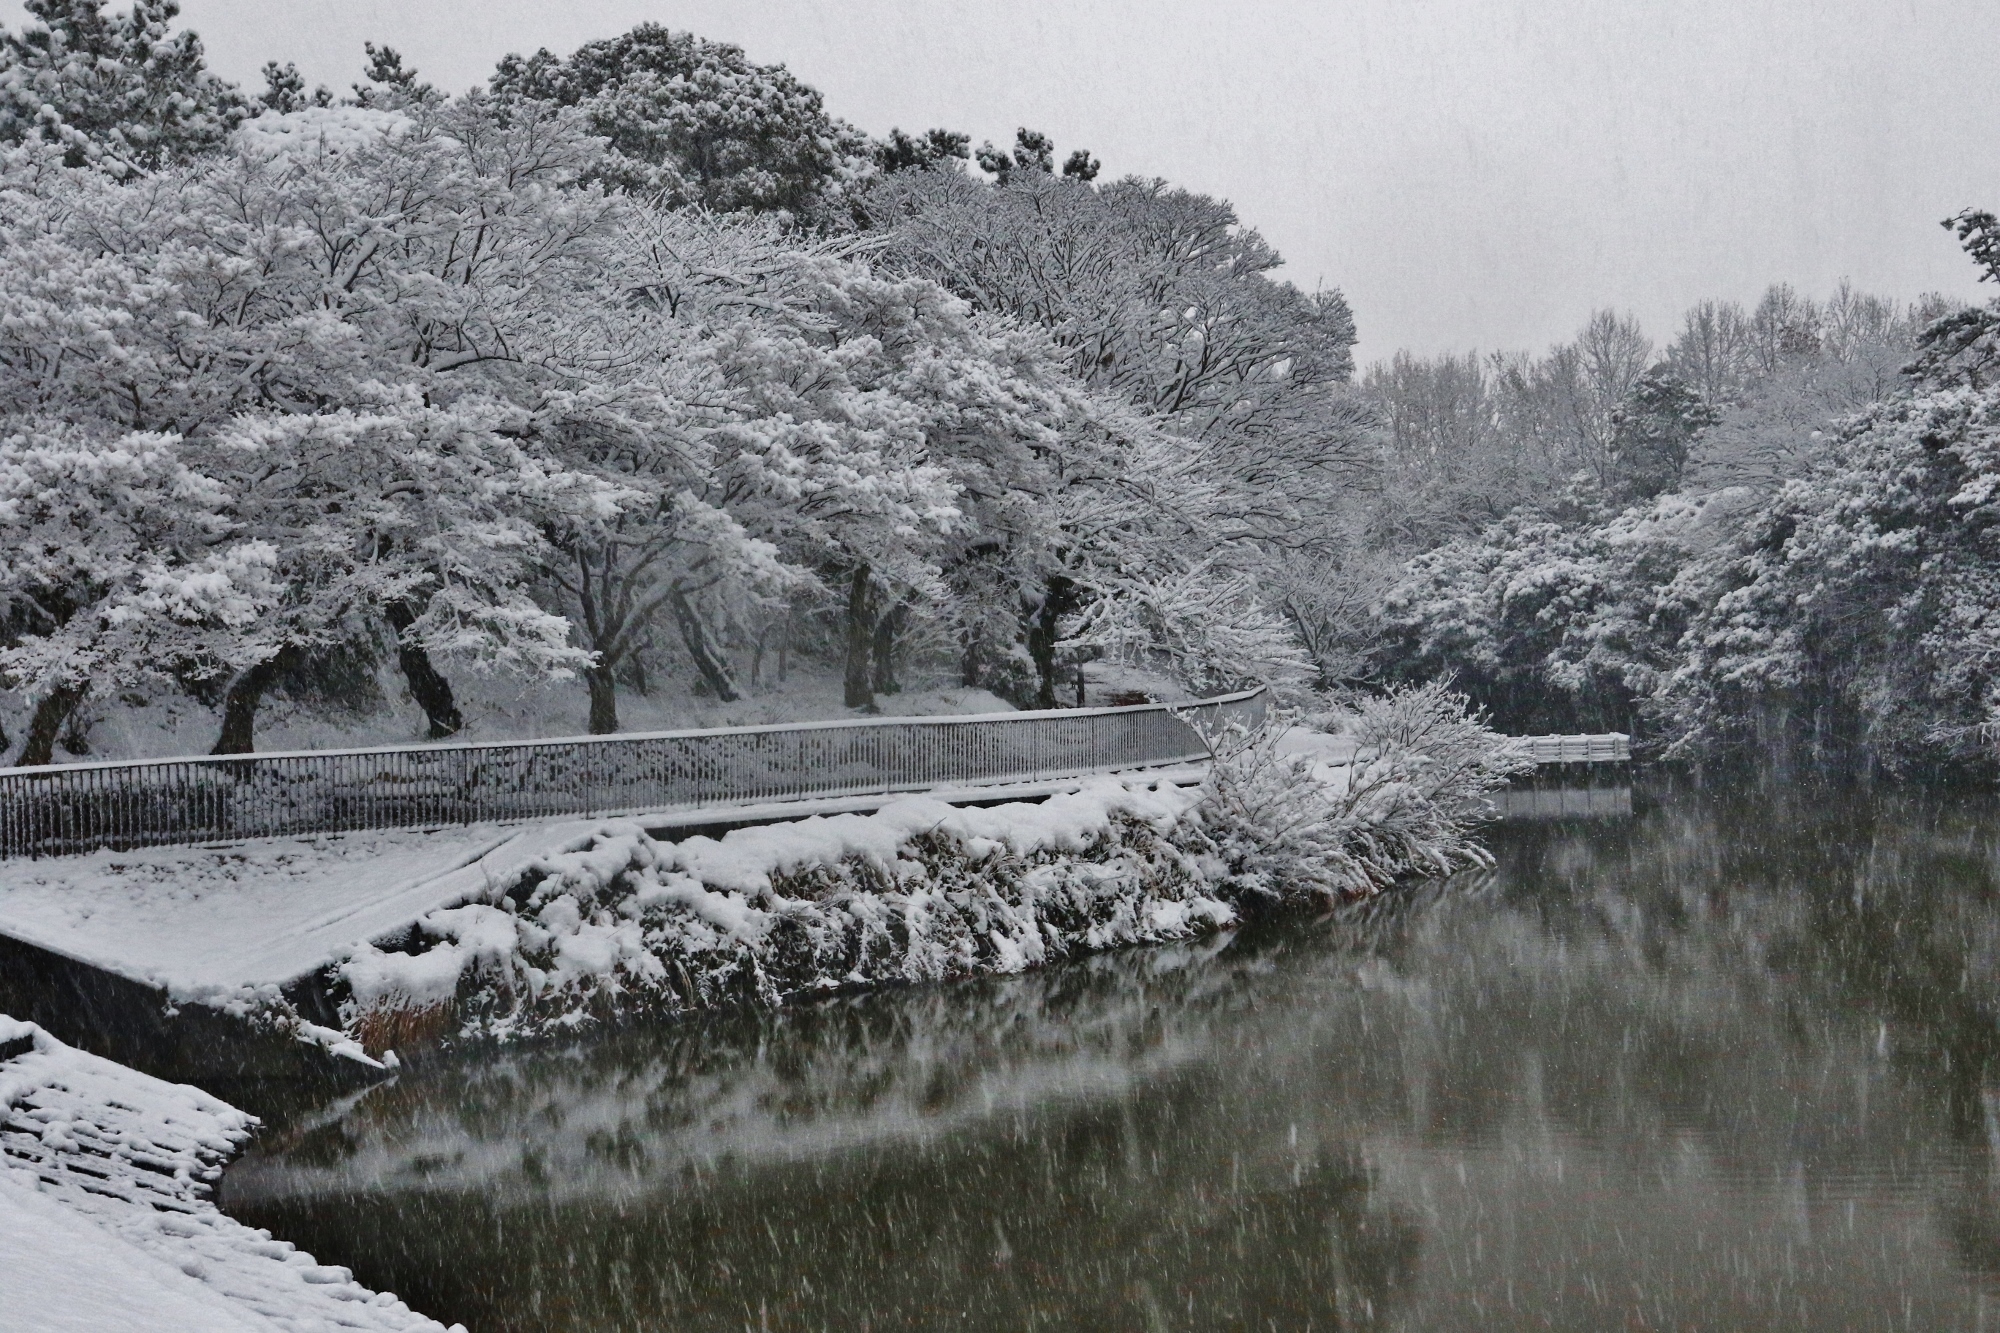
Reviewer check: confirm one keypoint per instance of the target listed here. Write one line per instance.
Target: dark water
(1731, 1063)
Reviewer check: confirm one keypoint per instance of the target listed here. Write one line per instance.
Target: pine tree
(285, 89)
(903, 152)
(1652, 434)
(696, 122)
(118, 91)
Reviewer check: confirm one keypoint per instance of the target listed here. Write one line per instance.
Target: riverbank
(920, 891)
(377, 943)
(616, 923)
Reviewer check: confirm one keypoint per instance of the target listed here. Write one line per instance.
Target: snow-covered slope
(208, 922)
(107, 1217)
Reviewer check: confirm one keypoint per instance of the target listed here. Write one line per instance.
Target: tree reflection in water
(1731, 1063)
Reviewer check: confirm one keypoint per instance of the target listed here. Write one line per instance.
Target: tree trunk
(708, 660)
(887, 630)
(970, 658)
(603, 699)
(239, 706)
(427, 684)
(1042, 650)
(1059, 597)
(51, 711)
(860, 641)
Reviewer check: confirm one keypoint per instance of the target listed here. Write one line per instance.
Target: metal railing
(124, 804)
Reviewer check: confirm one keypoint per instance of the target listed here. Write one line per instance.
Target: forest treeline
(1771, 538)
(638, 363)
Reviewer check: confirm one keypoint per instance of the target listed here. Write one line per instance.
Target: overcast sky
(1472, 173)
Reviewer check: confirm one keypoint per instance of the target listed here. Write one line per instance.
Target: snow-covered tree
(901, 151)
(285, 89)
(692, 121)
(118, 563)
(1856, 613)
(430, 517)
(1562, 407)
(120, 91)
(1163, 306)
(1446, 466)
(1652, 433)
(1557, 626)
(1212, 630)
(1157, 294)
(350, 321)
(890, 435)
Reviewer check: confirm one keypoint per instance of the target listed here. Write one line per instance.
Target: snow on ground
(1332, 755)
(495, 708)
(60, 1271)
(107, 1219)
(1331, 750)
(205, 922)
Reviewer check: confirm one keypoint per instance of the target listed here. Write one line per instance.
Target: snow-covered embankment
(107, 1215)
(916, 891)
(924, 891)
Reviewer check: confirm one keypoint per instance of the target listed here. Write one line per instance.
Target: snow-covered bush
(1288, 827)
(919, 891)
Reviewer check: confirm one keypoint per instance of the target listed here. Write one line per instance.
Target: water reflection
(1529, 801)
(1728, 1064)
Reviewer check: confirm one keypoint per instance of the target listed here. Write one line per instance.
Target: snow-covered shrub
(1288, 827)
(919, 891)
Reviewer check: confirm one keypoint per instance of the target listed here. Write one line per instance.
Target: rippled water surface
(1729, 1063)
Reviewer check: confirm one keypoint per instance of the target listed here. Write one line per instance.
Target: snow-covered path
(208, 921)
(107, 1219)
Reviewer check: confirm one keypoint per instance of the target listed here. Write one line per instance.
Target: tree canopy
(608, 371)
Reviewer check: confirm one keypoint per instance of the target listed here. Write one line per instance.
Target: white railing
(155, 802)
(1611, 747)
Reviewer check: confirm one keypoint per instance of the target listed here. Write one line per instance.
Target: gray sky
(1471, 174)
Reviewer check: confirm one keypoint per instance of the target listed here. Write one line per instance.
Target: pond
(1729, 1062)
